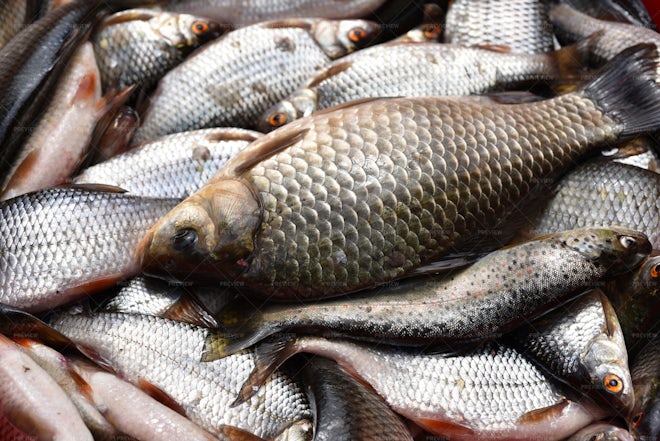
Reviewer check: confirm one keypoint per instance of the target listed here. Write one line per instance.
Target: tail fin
(268, 356)
(625, 89)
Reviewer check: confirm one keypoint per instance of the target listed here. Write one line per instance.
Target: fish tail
(268, 356)
(625, 89)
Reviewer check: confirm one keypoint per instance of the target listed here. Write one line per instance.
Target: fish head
(617, 250)
(185, 31)
(340, 37)
(301, 103)
(210, 234)
(644, 418)
(647, 277)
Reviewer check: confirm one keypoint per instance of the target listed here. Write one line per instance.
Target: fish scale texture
(603, 193)
(232, 81)
(520, 24)
(54, 240)
(167, 354)
(375, 190)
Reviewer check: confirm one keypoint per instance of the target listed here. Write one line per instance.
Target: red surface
(653, 6)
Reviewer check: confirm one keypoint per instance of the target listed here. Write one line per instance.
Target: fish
(361, 195)
(63, 243)
(601, 432)
(614, 37)
(640, 152)
(16, 14)
(138, 46)
(163, 356)
(520, 25)
(487, 298)
(25, 387)
(233, 80)
(245, 12)
(582, 344)
(60, 141)
(441, 69)
(173, 166)
(601, 193)
(636, 299)
(492, 392)
(644, 418)
(346, 409)
(145, 419)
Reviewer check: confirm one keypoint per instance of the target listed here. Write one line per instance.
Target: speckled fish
(244, 12)
(61, 243)
(345, 409)
(489, 297)
(237, 77)
(520, 25)
(574, 25)
(139, 46)
(59, 143)
(602, 193)
(491, 392)
(15, 15)
(440, 69)
(582, 343)
(601, 432)
(25, 388)
(145, 419)
(165, 354)
(172, 166)
(644, 419)
(353, 197)
(636, 299)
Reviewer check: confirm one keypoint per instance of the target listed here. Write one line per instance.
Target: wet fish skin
(173, 166)
(582, 343)
(346, 409)
(61, 243)
(644, 418)
(139, 46)
(601, 432)
(602, 193)
(14, 15)
(489, 297)
(443, 69)
(24, 389)
(166, 353)
(487, 392)
(361, 195)
(245, 12)
(522, 25)
(238, 76)
(60, 141)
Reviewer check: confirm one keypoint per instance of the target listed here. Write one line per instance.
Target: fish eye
(654, 272)
(432, 31)
(357, 34)
(613, 383)
(277, 119)
(184, 239)
(637, 419)
(626, 241)
(200, 27)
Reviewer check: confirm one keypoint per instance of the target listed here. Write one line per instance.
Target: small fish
(581, 343)
(601, 432)
(492, 392)
(520, 25)
(33, 402)
(138, 46)
(145, 419)
(489, 297)
(440, 70)
(364, 194)
(237, 77)
(173, 166)
(163, 356)
(245, 12)
(346, 409)
(62, 243)
(644, 419)
(602, 193)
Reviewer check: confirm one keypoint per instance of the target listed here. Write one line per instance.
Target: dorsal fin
(128, 15)
(288, 23)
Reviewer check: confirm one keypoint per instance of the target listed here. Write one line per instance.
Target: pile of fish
(329, 220)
